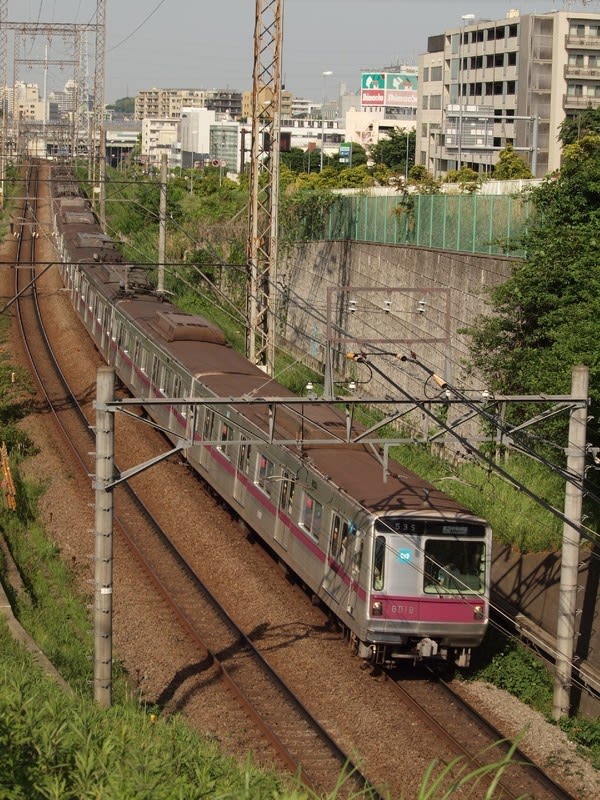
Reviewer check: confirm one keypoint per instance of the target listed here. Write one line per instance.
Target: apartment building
(158, 136)
(167, 103)
(487, 84)
(264, 99)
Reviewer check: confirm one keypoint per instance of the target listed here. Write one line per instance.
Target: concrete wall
(322, 278)
(433, 294)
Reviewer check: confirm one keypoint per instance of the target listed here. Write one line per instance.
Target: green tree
(510, 166)
(467, 179)
(583, 123)
(395, 150)
(546, 317)
(126, 105)
(423, 180)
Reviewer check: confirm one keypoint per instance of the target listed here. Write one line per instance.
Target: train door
(115, 332)
(107, 332)
(243, 469)
(353, 564)
(335, 580)
(286, 496)
(205, 456)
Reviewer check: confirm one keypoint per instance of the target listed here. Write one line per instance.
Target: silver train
(403, 567)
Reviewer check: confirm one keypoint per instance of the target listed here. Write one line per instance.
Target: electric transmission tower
(264, 183)
(17, 131)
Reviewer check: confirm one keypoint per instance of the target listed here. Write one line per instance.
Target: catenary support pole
(102, 179)
(105, 388)
(567, 599)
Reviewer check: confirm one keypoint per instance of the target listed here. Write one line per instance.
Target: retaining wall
(322, 278)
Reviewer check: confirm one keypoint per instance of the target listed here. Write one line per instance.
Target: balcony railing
(580, 101)
(582, 41)
(571, 71)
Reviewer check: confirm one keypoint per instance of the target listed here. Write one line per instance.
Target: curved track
(300, 743)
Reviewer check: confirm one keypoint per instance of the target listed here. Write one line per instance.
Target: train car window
(143, 362)
(264, 474)
(335, 540)
(126, 340)
(358, 554)
(225, 437)
(454, 566)
(155, 368)
(136, 351)
(288, 487)
(379, 563)
(244, 458)
(177, 386)
(208, 423)
(165, 380)
(312, 516)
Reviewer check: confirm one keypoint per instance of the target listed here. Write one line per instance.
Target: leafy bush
(57, 746)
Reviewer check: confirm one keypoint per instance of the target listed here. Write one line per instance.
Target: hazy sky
(208, 44)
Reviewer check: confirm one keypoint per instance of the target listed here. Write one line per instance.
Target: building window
(436, 73)
(435, 102)
(425, 74)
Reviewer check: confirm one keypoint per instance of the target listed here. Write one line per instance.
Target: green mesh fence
(487, 224)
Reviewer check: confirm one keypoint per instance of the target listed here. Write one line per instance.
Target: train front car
(429, 588)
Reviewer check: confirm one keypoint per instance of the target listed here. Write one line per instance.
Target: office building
(487, 84)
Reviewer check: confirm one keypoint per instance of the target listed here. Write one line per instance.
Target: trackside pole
(105, 387)
(567, 598)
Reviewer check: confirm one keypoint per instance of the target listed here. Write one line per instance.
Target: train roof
(200, 346)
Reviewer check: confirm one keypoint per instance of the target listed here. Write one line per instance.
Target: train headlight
(377, 608)
(477, 612)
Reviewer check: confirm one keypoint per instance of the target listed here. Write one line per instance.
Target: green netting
(489, 224)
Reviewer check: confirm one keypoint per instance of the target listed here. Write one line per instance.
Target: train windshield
(454, 566)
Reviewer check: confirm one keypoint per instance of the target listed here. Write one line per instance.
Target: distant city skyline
(174, 44)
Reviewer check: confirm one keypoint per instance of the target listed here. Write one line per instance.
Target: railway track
(300, 743)
(475, 740)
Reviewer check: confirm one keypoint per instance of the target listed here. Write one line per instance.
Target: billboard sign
(398, 89)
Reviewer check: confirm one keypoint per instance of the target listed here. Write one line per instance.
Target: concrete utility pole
(102, 180)
(567, 599)
(264, 183)
(162, 230)
(103, 572)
